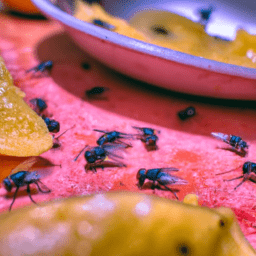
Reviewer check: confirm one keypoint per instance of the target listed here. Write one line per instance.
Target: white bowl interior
(228, 15)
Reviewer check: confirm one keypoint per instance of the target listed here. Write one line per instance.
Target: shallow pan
(161, 66)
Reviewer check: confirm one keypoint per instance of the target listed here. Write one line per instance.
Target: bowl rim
(54, 12)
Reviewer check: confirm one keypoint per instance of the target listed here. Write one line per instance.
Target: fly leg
(171, 191)
(91, 167)
(14, 197)
(245, 178)
(227, 171)
(29, 194)
(153, 186)
(40, 189)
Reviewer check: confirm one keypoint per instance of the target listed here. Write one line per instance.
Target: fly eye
(54, 126)
(88, 154)
(138, 175)
(41, 104)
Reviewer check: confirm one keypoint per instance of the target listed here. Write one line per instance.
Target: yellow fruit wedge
(123, 224)
(22, 131)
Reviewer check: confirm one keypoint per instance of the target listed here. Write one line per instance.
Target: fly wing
(112, 149)
(40, 164)
(138, 128)
(221, 136)
(169, 169)
(171, 180)
(25, 165)
(123, 135)
(140, 135)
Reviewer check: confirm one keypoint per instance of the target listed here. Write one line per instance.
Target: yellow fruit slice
(22, 131)
(123, 224)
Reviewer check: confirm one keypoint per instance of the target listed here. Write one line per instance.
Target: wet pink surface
(186, 145)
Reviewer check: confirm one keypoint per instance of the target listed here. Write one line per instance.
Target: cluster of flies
(104, 154)
(112, 141)
(21, 175)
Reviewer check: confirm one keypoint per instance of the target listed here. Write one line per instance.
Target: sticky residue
(22, 241)
(99, 206)
(43, 213)
(86, 230)
(143, 208)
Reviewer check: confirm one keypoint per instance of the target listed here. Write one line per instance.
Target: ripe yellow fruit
(89, 12)
(124, 224)
(22, 131)
(23, 6)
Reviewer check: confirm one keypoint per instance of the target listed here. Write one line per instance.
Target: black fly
(161, 176)
(148, 137)
(236, 142)
(249, 173)
(95, 92)
(186, 113)
(43, 67)
(113, 137)
(20, 176)
(38, 105)
(100, 156)
(146, 131)
(205, 15)
(52, 125)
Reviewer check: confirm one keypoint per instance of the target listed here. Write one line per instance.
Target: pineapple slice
(22, 131)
